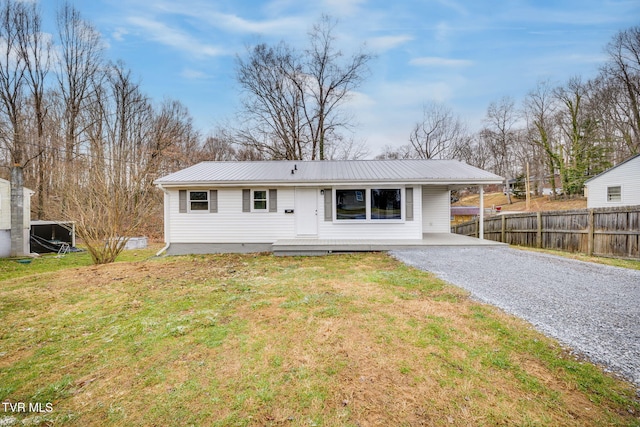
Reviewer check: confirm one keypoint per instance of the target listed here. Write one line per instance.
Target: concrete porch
(323, 247)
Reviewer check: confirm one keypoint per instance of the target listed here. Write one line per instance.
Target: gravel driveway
(592, 308)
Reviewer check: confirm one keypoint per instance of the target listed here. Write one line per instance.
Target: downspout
(481, 224)
(167, 217)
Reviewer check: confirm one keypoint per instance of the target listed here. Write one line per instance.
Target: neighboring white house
(618, 186)
(5, 218)
(247, 206)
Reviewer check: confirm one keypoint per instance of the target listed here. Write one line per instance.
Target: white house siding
(378, 230)
(5, 243)
(436, 203)
(230, 224)
(5, 218)
(626, 175)
(5, 205)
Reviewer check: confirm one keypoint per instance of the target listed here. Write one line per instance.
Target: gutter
(166, 223)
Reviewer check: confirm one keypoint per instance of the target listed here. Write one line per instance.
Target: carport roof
(291, 172)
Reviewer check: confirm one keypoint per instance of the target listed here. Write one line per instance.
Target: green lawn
(257, 340)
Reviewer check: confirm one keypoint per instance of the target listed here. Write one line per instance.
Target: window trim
(367, 200)
(400, 202)
(253, 200)
(608, 199)
(189, 201)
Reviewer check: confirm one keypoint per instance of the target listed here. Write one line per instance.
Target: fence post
(539, 232)
(503, 228)
(590, 227)
(477, 228)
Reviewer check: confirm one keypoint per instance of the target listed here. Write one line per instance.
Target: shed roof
(290, 172)
(8, 183)
(612, 168)
(465, 210)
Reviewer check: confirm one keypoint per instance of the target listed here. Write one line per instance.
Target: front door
(306, 211)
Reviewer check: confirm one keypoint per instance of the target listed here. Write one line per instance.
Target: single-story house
(617, 186)
(248, 206)
(5, 218)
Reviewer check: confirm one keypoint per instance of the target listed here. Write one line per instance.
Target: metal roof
(611, 168)
(329, 171)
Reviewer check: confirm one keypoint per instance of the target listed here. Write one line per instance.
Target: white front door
(306, 212)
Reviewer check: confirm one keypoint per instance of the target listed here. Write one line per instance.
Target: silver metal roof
(329, 171)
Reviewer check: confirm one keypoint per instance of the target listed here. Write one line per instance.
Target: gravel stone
(594, 309)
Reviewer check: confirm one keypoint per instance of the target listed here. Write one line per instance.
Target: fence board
(613, 232)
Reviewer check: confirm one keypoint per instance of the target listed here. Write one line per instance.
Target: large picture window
(199, 200)
(385, 204)
(351, 204)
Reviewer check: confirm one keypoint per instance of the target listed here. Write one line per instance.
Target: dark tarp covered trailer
(48, 236)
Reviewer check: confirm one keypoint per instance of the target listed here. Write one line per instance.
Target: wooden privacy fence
(611, 232)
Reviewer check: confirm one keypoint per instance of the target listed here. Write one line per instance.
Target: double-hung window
(259, 200)
(198, 200)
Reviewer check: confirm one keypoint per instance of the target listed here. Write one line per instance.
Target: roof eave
(447, 181)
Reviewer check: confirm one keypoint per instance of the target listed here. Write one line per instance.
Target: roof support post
(481, 234)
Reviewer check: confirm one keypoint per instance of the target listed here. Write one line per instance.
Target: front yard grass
(257, 340)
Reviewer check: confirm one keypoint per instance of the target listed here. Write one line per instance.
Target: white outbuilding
(617, 186)
(5, 218)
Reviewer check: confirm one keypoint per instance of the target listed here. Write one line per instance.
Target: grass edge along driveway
(223, 340)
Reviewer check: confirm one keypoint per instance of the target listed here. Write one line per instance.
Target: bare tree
(439, 134)
(474, 151)
(578, 131)
(113, 182)
(14, 27)
(216, 148)
(624, 69)
(80, 58)
(499, 135)
(37, 54)
(273, 105)
(540, 112)
(395, 153)
(330, 82)
(294, 99)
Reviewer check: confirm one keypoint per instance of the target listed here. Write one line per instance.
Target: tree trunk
(17, 212)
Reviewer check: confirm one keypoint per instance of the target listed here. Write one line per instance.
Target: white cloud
(275, 26)
(191, 74)
(119, 33)
(384, 43)
(435, 61)
(343, 7)
(175, 38)
(210, 17)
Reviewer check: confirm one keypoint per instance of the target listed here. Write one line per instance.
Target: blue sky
(465, 54)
